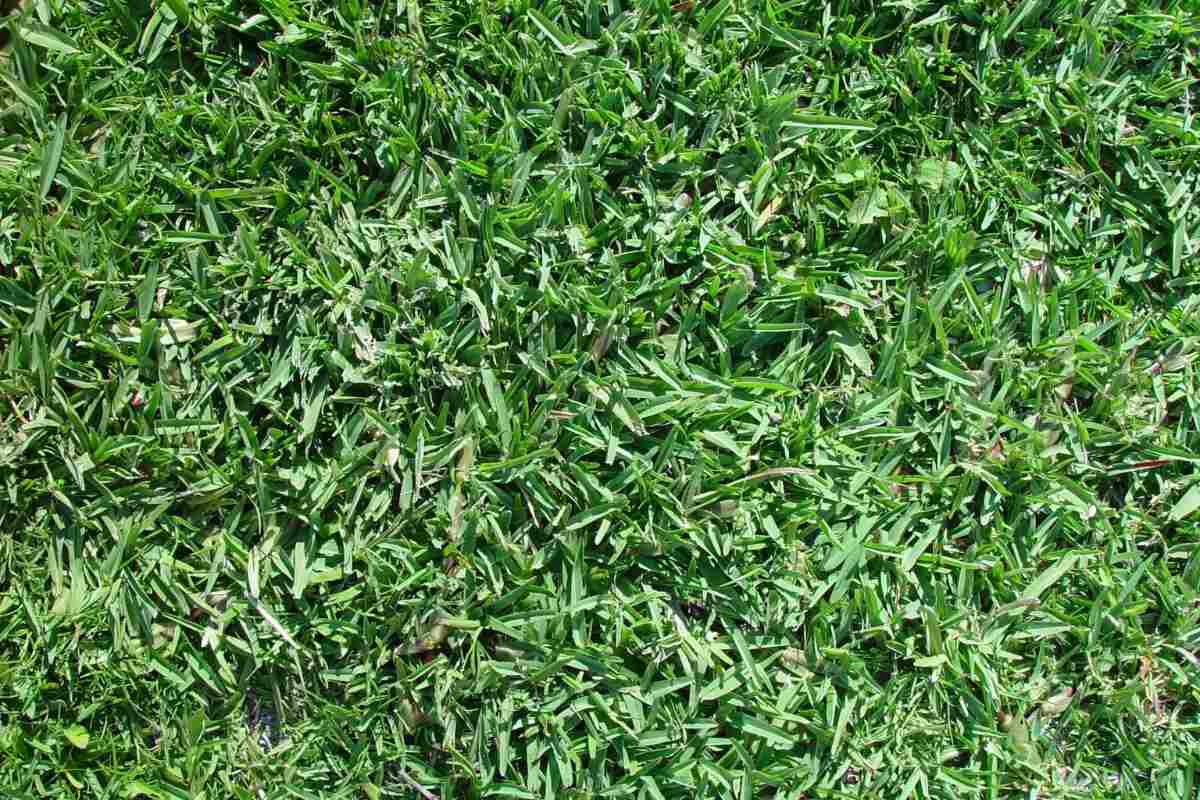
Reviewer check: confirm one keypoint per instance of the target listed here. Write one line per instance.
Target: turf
(600, 399)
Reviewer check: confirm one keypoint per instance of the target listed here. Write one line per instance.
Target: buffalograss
(600, 399)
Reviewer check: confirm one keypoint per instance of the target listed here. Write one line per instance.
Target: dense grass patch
(614, 398)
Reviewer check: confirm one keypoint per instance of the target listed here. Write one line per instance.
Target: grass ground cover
(600, 399)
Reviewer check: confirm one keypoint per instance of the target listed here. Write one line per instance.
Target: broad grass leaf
(1049, 577)
(78, 736)
(47, 37)
(52, 155)
(827, 122)
(1186, 505)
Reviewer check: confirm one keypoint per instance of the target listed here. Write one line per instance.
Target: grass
(600, 399)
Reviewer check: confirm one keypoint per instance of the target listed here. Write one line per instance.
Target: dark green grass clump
(600, 399)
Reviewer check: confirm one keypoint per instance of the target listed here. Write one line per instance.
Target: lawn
(600, 399)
